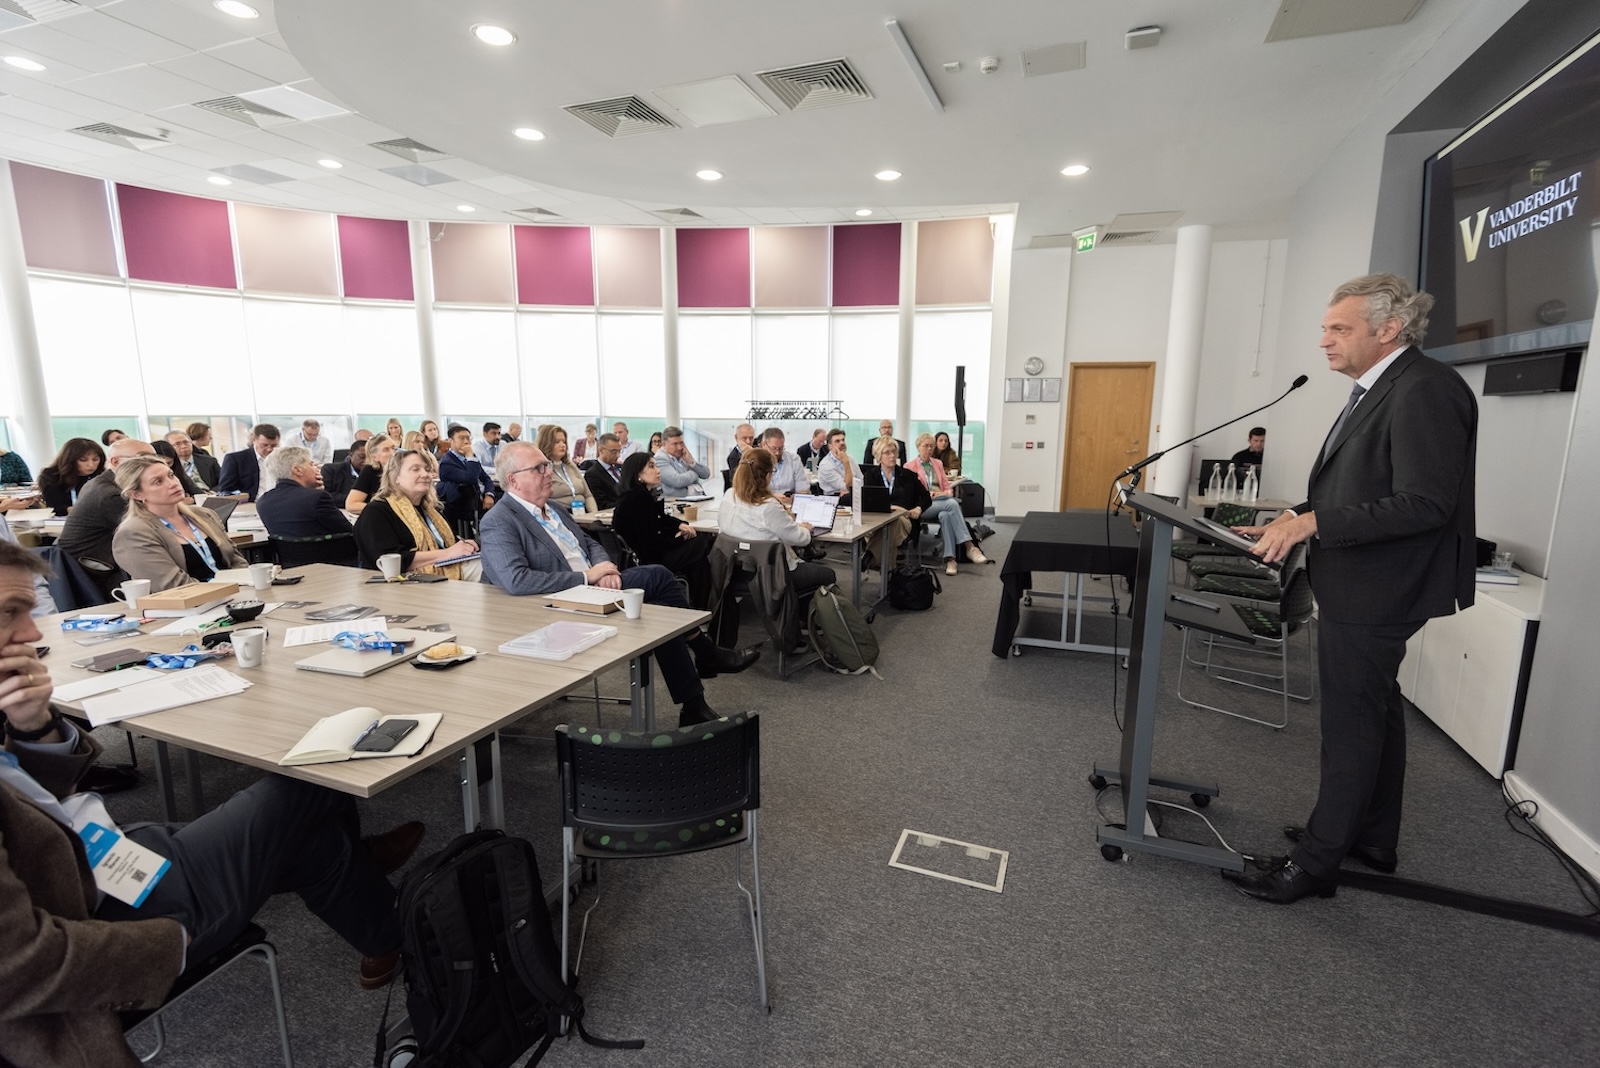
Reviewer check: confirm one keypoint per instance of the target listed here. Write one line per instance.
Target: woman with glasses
(404, 517)
(164, 538)
(567, 486)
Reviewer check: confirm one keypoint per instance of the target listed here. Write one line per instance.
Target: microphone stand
(1135, 471)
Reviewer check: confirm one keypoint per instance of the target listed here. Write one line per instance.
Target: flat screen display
(1511, 242)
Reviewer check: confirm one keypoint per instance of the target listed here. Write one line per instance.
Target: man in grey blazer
(1389, 517)
(529, 549)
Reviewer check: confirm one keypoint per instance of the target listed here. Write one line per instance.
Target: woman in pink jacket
(946, 510)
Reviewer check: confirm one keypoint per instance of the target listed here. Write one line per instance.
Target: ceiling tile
(51, 43)
(142, 88)
(358, 128)
(193, 26)
(54, 118)
(294, 168)
(136, 45)
(503, 184)
(15, 126)
(210, 71)
(259, 58)
(56, 71)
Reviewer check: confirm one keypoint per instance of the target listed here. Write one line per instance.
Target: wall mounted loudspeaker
(1548, 372)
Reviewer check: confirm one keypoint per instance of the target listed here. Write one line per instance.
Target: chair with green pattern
(639, 795)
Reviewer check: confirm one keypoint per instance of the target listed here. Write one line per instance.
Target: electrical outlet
(1030, 419)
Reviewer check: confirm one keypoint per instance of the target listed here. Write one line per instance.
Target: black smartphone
(287, 580)
(385, 736)
(426, 576)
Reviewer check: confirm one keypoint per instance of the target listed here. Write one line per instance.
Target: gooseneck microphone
(1139, 467)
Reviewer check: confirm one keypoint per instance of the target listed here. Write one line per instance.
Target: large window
(713, 364)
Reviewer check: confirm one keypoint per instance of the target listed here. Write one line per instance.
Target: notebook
(818, 511)
(874, 498)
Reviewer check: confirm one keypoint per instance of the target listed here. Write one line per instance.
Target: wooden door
(1108, 427)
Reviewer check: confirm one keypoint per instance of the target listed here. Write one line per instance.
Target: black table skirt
(1070, 542)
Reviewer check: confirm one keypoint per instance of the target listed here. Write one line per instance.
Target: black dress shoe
(108, 779)
(696, 711)
(1378, 859)
(1282, 885)
(394, 847)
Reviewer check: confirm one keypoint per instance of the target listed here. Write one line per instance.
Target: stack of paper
(138, 696)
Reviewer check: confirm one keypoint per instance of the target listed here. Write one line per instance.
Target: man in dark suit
(73, 958)
(1389, 515)
(604, 476)
(241, 470)
(339, 477)
(885, 430)
(298, 507)
(465, 487)
(530, 548)
(203, 470)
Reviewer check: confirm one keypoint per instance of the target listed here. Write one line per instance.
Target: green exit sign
(1086, 242)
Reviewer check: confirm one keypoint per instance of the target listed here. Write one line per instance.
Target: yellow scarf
(401, 506)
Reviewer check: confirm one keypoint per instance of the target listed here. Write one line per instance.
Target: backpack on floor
(482, 968)
(842, 638)
(912, 586)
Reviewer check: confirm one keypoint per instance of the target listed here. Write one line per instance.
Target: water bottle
(1252, 485)
(1230, 485)
(1214, 487)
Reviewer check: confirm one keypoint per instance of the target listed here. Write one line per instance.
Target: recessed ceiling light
(1075, 169)
(528, 133)
(331, 164)
(498, 36)
(236, 9)
(709, 175)
(465, 207)
(24, 63)
(217, 179)
(863, 212)
(887, 176)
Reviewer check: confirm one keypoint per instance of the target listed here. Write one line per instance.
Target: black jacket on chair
(908, 490)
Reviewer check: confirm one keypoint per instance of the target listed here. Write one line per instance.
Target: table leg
(469, 787)
(191, 768)
(643, 693)
(497, 798)
(169, 803)
(855, 572)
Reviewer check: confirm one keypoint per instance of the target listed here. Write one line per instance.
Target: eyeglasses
(540, 469)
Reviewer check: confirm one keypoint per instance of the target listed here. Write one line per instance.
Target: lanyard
(198, 542)
(561, 474)
(438, 539)
(558, 530)
(888, 479)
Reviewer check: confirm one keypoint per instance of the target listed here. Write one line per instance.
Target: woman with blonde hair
(943, 508)
(749, 511)
(164, 538)
(370, 480)
(567, 484)
(404, 517)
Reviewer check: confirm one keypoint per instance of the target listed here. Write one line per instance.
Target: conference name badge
(123, 868)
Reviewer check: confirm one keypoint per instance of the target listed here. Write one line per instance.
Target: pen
(362, 737)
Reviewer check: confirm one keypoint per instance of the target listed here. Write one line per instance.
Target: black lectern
(1154, 607)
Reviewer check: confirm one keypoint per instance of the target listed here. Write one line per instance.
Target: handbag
(912, 587)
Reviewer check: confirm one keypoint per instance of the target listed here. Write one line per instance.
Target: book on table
(1498, 576)
(595, 600)
(187, 600)
(334, 737)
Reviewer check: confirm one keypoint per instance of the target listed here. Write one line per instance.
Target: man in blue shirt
(681, 476)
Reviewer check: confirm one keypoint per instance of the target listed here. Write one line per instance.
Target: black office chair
(636, 795)
(1271, 627)
(320, 549)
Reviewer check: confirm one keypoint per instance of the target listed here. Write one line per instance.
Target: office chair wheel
(1027, 601)
(872, 615)
(1097, 781)
(403, 1053)
(1111, 852)
(1200, 800)
(1016, 650)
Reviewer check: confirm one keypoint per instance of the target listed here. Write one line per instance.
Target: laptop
(818, 511)
(874, 498)
(363, 662)
(224, 507)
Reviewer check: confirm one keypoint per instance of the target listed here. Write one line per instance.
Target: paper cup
(633, 603)
(389, 564)
(130, 592)
(261, 576)
(249, 646)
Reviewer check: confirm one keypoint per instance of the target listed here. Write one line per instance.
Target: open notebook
(333, 737)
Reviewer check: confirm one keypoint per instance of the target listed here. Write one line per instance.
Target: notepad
(333, 737)
(174, 690)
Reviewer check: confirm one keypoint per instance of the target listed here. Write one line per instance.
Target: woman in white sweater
(750, 512)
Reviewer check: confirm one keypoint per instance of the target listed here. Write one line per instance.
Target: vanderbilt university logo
(1472, 233)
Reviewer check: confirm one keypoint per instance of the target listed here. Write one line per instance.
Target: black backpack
(482, 968)
(912, 586)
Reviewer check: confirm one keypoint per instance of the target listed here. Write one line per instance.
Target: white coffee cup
(130, 592)
(261, 576)
(249, 646)
(389, 564)
(633, 603)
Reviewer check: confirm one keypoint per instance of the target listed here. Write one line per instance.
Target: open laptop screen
(818, 511)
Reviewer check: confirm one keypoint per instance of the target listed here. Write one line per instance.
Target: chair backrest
(321, 549)
(645, 779)
(71, 586)
(1234, 515)
(1297, 603)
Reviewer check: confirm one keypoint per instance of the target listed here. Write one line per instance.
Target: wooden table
(478, 698)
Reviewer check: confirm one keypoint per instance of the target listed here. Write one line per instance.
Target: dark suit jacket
(339, 479)
(209, 469)
(908, 491)
(520, 558)
(65, 975)
(241, 472)
(291, 510)
(462, 486)
(602, 485)
(1394, 500)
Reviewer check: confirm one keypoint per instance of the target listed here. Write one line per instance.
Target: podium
(1155, 606)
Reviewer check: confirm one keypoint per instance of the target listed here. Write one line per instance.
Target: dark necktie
(616, 472)
(1355, 395)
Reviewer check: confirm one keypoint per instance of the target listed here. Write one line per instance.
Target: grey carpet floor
(1078, 961)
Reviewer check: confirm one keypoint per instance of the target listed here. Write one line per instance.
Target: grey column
(1180, 381)
(422, 292)
(34, 439)
(908, 308)
(669, 324)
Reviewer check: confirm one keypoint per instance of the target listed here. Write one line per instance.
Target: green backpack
(841, 636)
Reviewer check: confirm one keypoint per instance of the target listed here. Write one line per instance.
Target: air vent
(247, 173)
(536, 214)
(674, 214)
(121, 136)
(622, 116)
(14, 13)
(240, 110)
(1129, 237)
(420, 175)
(407, 149)
(816, 85)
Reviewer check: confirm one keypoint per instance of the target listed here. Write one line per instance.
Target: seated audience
(486, 448)
(943, 507)
(311, 438)
(435, 442)
(654, 536)
(394, 429)
(568, 489)
(164, 538)
(885, 430)
(681, 475)
(13, 469)
(242, 471)
(92, 525)
(908, 497)
(530, 548)
(203, 472)
(404, 517)
(838, 473)
(945, 454)
(110, 437)
(513, 433)
(371, 475)
(587, 446)
(339, 478)
(604, 476)
(360, 435)
(415, 440)
(657, 440)
(812, 452)
(464, 486)
(60, 483)
(44, 602)
(200, 437)
(744, 439)
(297, 506)
(74, 957)
(789, 475)
(629, 447)
(167, 452)
(751, 511)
